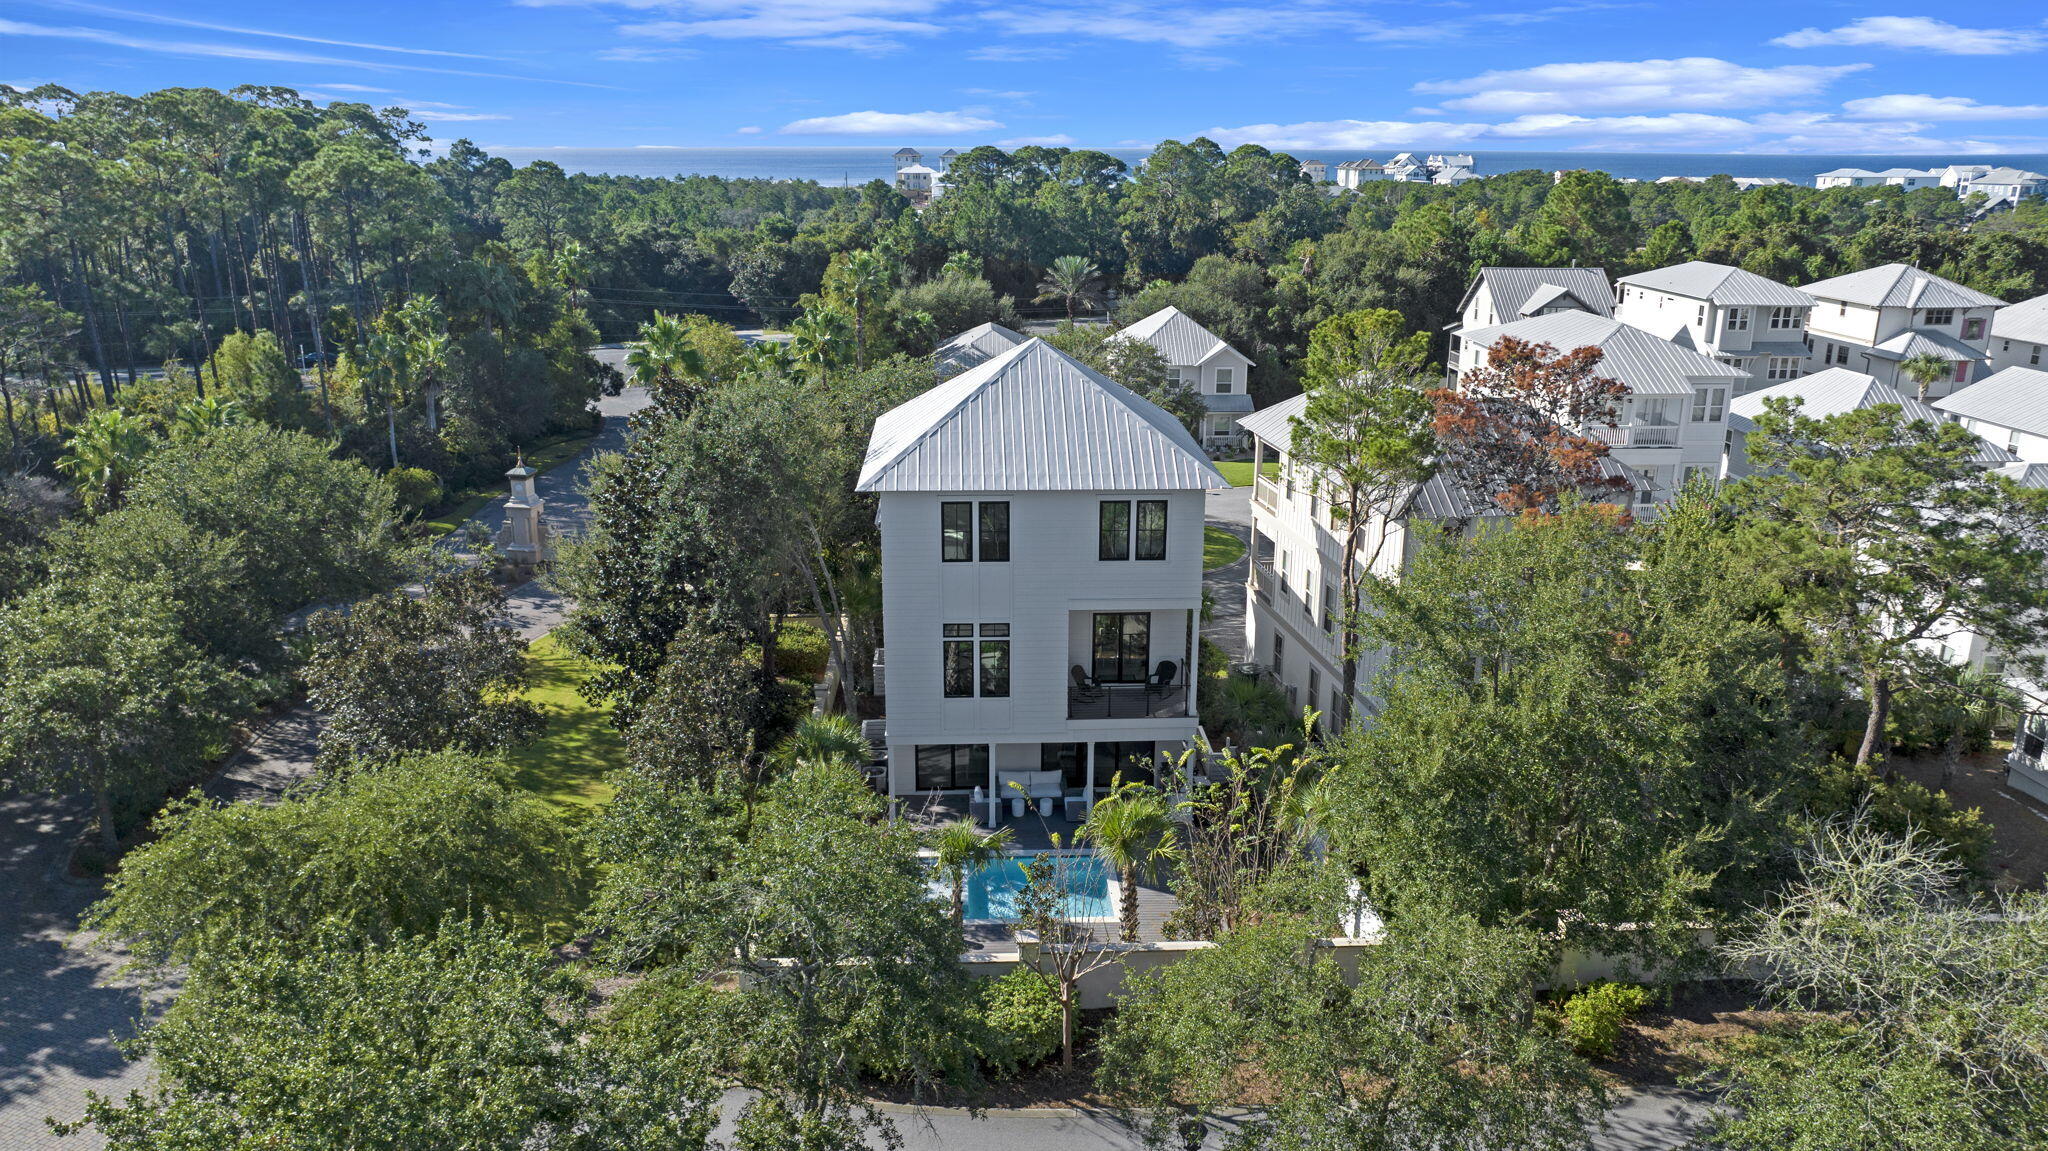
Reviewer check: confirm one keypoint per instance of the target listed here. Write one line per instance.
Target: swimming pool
(991, 891)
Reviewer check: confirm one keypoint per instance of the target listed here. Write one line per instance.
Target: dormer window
(1738, 319)
(1786, 319)
(1940, 317)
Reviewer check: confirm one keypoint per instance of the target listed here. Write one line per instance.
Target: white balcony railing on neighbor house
(1266, 492)
(1638, 436)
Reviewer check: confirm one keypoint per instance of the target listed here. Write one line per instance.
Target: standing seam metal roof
(2026, 320)
(1648, 365)
(2013, 398)
(1832, 391)
(1899, 286)
(1720, 284)
(1032, 419)
(1512, 287)
(1183, 342)
(977, 345)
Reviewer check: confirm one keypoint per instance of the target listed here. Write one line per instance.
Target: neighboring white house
(1957, 175)
(1352, 173)
(1673, 424)
(1406, 167)
(1742, 183)
(1295, 579)
(1910, 178)
(1848, 178)
(1041, 530)
(1315, 170)
(1198, 356)
(2005, 185)
(917, 180)
(905, 157)
(975, 346)
(1737, 317)
(1453, 175)
(2009, 409)
(1874, 319)
(1828, 392)
(2019, 333)
(1501, 295)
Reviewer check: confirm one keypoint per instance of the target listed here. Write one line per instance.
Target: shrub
(415, 489)
(801, 651)
(1593, 1017)
(1023, 1018)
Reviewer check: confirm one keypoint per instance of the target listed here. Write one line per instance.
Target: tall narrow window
(1113, 531)
(1151, 541)
(956, 522)
(995, 661)
(1709, 405)
(1123, 642)
(959, 661)
(1226, 379)
(995, 531)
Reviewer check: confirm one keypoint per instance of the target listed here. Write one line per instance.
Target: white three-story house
(1041, 531)
(1739, 318)
(1874, 320)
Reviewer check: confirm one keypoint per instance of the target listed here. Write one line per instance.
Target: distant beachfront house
(905, 157)
(1876, 319)
(1315, 170)
(1848, 178)
(1453, 175)
(1673, 423)
(1910, 178)
(974, 347)
(917, 180)
(2005, 186)
(1735, 316)
(1352, 173)
(1406, 167)
(1742, 183)
(2019, 333)
(1956, 175)
(1198, 356)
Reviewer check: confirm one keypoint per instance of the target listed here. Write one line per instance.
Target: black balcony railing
(1127, 701)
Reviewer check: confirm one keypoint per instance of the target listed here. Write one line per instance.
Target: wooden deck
(1035, 833)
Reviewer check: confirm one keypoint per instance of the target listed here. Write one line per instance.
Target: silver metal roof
(1650, 366)
(1720, 284)
(2026, 320)
(2025, 475)
(1032, 419)
(976, 345)
(1183, 342)
(1899, 286)
(1234, 402)
(2013, 398)
(1924, 342)
(1832, 391)
(1547, 295)
(1512, 287)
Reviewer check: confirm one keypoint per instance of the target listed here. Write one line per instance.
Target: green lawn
(545, 456)
(1239, 472)
(1219, 547)
(567, 765)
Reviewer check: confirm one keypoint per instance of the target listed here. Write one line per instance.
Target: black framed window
(951, 766)
(956, 522)
(958, 665)
(1114, 531)
(995, 669)
(1151, 532)
(995, 531)
(1069, 759)
(1123, 643)
(1132, 760)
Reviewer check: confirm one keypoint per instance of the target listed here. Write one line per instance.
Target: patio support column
(995, 800)
(1089, 794)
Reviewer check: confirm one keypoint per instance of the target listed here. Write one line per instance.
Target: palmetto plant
(1925, 368)
(193, 420)
(666, 365)
(826, 739)
(1133, 829)
(962, 847)
(1074, 279)
(818, 340)
(104, 454)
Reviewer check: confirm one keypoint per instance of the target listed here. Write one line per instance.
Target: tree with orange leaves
(1514, 431)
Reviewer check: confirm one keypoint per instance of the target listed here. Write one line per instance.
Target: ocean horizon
(852, 166)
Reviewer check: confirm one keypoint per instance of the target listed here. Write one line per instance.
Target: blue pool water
(992, 891)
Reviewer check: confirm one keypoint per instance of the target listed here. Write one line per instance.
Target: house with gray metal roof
(2005, 186)
(1198, 356)
(1874, 320)
(1674, 421)
(2008, 408)
(1829, 392)
(1738, 317)
(974, 347)
(2019, 335)
(1504, 295)
(1352, 173)
(1041, 535)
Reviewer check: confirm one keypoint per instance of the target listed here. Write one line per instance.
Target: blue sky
(1722, 76)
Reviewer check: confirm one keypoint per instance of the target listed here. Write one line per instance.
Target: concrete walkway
(1231, 510)
(61, 1007)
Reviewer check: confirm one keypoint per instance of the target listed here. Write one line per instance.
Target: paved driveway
(61, 1008)
(1231, 510)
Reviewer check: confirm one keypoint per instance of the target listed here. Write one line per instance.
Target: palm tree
(104, 454)
(824, 739)
(665, 363)
(1074, 279)
(1925, 368)
(1132, 828)
(816, 339)
(962, 847)
(193, 420)
(861, 278)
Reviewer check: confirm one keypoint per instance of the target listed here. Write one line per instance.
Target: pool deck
(1035, 833)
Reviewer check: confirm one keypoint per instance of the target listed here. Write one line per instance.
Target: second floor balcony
(1164, 696)
(1636, 435)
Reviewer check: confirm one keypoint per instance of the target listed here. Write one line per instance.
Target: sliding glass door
(1123, 642)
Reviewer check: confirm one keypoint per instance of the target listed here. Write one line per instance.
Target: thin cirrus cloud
(242, 30)
(250, 52)
(1902, 106)
(1691, 83)
(1770, 132)
(889, 123)
(1918, 34)
(865, 26)
(1057, 140)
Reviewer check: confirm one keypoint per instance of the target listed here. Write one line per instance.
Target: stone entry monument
(523, 542)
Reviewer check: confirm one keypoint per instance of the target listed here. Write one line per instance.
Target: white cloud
(1918, 33)
(749, 130)
(1769, 132)
(431, 116)
(356, 88)
(642, 54)
(870, 26)
(1319, 134)
(1059, 140)
(245, 30)
(1010, 54)
(1908, 107)
(1692, 82)
(1181, 27)
(889, 124)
